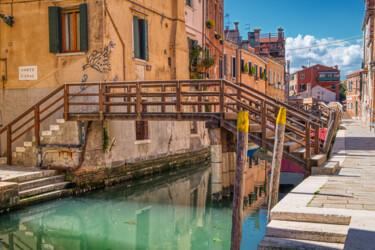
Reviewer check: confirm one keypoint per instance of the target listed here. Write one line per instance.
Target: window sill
(139, 60)
(142, 142)
(71, 54)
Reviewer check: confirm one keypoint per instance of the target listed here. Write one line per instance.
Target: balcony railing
(328, 79)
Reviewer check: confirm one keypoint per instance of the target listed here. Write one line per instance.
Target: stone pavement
(354, 185)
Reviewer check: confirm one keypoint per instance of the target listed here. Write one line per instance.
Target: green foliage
(263, 75)
(218, 36)
(200, 61)
(342, 92)
(210, 24)
(252, 70)
(195, 52)
(105, 140)
(245, 68)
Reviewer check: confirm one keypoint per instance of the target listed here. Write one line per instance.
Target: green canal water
(168, 211)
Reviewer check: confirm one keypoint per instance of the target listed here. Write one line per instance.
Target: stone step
(284, 243)
(45, 197)
(40, 182)
(307, 231)
(324, 218)
(327, 168)
(301, 152)
(269, 133)
(272, 139)
(319, 159)
(3, 160)
(43, 189)
(32, 175)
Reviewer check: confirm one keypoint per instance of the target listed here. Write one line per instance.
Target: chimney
(280, 34)
(336, 67)
(236, 25)
(257, 40)
(304, 67)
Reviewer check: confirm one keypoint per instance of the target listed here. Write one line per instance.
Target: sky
(307, 23)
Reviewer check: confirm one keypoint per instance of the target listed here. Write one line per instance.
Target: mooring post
(216, 164)
(242, 141)
(276, 161)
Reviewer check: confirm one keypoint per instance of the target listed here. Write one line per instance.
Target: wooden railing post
(239, 93)
(308, 144)
(178, 100)
(9, 144)
(199, 98)
(138, 104)
(264, 124)
(101, 101)
(36, 125)
(66, 102)
(163, 98)
(316, 139)
(221, 100)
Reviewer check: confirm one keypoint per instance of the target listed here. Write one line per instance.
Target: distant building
(367, 93)
(327, 78)
(353, 93)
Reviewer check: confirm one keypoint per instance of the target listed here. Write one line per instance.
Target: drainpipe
(121, 40)
(240, 73)
(204, 24)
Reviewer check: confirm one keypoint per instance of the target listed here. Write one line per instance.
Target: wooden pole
(276, 161)
(242, 141)
(330, 133)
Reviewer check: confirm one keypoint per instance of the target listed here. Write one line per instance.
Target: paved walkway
(354, 186)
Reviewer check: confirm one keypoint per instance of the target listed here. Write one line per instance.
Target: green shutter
(84, 38)
(54, 24)
(136, 37)
(144, 40)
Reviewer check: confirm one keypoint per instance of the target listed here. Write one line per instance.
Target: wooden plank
(178, 99)
(139, 100)
(308, 144)
(37, 125)
(264, 124)
(9, 144)
(277, 157)
(66, 102)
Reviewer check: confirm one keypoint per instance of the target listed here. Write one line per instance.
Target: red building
(319, 79)
(353, 93)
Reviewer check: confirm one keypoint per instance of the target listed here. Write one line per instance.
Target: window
(242, 65)
(351, 106)
(225, 65)
(350, 87)
(250, 67)
(189, 3)
(68, 29)
(192, 45)
(303, 87)
(356, 84)
(302, 76)
(256, 70)
(270, 75)
(333, 87)
(274, 77)
(260, 71)
(233, 67)
(140, 38)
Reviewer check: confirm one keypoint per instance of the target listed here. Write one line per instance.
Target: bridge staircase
(216, 102)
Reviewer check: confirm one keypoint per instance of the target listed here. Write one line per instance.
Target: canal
(168, 211)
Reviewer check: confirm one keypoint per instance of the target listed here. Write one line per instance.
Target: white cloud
(347, 55)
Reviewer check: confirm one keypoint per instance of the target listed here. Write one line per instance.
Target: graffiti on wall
(99, 60)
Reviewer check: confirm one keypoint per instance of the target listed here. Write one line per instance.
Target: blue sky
(307, 23)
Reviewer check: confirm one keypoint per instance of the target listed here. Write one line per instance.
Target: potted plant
(210, 24)
(222, 41)
(218, 36)
(252, 72)
(263, 76)
(245, 69)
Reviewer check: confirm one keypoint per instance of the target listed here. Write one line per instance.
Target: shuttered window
(140, 38)
(68, 30)
(234, 67)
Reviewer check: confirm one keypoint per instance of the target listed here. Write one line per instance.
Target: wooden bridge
(214, 101)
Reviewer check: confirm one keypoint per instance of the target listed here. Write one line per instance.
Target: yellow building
(56, 42)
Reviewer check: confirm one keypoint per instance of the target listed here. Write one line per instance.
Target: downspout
(204, 24)
(240, 66)
(121, 40)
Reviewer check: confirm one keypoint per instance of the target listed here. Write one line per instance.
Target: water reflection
(171, 211)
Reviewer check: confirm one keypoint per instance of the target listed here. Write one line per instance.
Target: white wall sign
(27, 73)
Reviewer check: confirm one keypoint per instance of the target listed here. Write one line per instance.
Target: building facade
(353, 93)
(98, 41)
(367, 93)
(327, 78)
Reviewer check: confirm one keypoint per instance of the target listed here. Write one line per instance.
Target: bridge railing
(199, 100)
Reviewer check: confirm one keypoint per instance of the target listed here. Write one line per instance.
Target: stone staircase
(39, 186)
(60, 146)
(305, 231)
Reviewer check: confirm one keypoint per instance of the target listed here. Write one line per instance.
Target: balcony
(328, 79)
